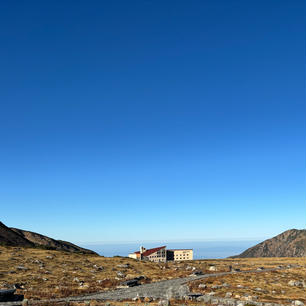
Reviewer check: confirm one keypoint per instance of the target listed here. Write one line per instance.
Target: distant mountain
(291, 243)
(21, 238)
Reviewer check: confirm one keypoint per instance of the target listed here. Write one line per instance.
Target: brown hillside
(49, 243)
(21, 238)
(11, 238)
(291, 243)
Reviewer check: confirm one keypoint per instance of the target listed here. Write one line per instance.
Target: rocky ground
(178, 288)
(282, 286)
(45, 275)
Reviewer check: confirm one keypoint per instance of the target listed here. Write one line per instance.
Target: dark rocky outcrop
(22, 238)
(291, 243)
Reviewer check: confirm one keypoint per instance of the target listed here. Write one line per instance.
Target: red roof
(150, 251)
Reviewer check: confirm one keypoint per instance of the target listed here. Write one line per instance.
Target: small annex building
(161, 254)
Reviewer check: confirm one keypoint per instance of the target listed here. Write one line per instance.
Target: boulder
(297, 303)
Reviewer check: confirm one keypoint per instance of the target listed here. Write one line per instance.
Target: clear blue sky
(147, 120)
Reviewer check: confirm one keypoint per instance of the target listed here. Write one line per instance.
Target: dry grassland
(270, 286)
(48, 274)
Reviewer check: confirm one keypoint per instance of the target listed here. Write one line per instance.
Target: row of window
(181, 257)
(156, 256)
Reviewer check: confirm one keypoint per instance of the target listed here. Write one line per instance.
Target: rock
(7, 295)
(216, 287)
(196, 273)
(76, 280)
(202, 286)
(212, 268)
(19, 286)
(297, 303)
(141, 277)
(98, 268)
(204, 298)
(163, 303)
(211, 293)
(247, 297)
(295, 283)
(22, 268)
(25, 302)
(120, 274)
(230, 302)
(147, 299)
(240, 286)
(83, 285)
(260, 268)
(228, 294)
(250, 298)
(123, 266)
(192, 296)
(130, 283)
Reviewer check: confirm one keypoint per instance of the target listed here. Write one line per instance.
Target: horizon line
(172, 241)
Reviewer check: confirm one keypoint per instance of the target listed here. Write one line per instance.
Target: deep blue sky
(153, 120)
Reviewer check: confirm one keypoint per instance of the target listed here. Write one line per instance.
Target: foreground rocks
(10, 296)
(171, 289)
(177, 289)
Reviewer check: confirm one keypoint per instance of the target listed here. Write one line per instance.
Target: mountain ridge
(10, 236)
(291, 243)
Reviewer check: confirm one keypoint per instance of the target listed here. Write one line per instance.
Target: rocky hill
(291, 243)
(11, 238)
(22, 238)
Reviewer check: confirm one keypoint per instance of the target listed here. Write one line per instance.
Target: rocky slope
(291, 243)
(22, 238)
(11, 238)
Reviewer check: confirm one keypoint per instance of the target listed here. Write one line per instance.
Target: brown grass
(274, 284)
(54, 274)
